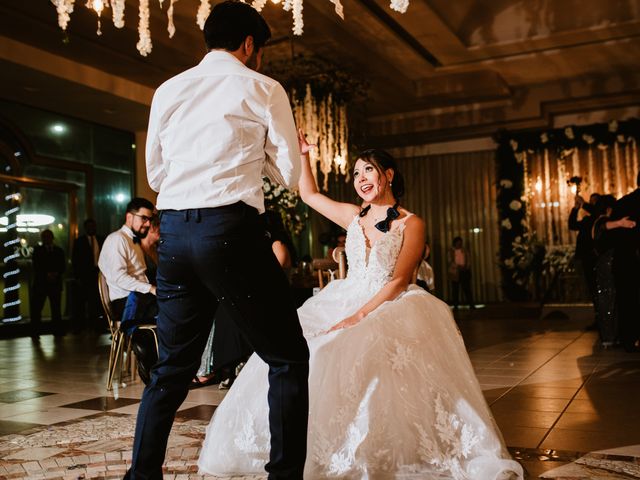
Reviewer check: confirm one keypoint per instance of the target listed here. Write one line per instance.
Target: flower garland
(320, 96)
(64, 9)
(285, 202)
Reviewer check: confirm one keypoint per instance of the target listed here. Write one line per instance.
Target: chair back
(326, 270)
(340, 256)
(103, 288)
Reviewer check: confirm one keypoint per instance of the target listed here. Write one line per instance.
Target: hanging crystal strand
(117, 8)
(64, 8)
(287, 5)
(203, 12)
(526, 192)
(634, 157)
(575, 162)
(325, 160)
(298, 22)
(171, 28)
(547, 199)
(344, 147)
(592, 178)
(605, 168)
(630, 173)
(331, 153)
(563, 191)
(144, 45)
(618, 167)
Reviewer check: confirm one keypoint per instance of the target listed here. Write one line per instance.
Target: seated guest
(123, 265)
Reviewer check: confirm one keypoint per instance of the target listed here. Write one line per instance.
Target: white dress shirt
(122, 264)
(214, 131)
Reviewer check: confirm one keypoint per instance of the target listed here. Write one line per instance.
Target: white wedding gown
(394, 397)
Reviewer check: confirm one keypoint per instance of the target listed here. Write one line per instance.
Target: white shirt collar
(127, 231)
(220, 56)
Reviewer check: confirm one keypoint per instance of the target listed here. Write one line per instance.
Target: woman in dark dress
(604, 235)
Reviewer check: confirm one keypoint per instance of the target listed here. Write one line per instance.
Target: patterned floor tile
(103, 404)
(21, 395)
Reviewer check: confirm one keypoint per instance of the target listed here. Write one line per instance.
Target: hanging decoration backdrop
(539, 174)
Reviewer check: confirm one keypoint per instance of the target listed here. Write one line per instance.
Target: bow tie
(392, 214)
(136, 240)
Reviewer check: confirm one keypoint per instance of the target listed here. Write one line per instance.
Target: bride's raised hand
(305, 147)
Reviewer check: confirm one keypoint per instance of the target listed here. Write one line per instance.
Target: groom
(213, 130)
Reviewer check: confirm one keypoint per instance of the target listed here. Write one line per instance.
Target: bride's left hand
(346, 323)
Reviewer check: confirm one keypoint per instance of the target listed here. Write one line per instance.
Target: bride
(392, 392)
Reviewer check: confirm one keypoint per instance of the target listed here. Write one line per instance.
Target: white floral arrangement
(285, 202)
(559, 259)
(521, 262)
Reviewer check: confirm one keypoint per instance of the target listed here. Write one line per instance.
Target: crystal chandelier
(64, 9)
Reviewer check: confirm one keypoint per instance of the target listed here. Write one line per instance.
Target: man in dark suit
(84, 260)
(626, 269)
(237, 125)
(48, 267)
(585, 252)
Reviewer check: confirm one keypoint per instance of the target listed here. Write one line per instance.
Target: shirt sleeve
(155, 166)
(281, 147)
(113, 265)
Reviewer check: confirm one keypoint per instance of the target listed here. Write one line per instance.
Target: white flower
(588, 138)
(514, 145)
(569, 133)
(506, 223)
(505, 183)
(544, 137)
(613, 126)
(518, 239)
(509, 263)
(519, 157)
(620, 138)
(515, 205)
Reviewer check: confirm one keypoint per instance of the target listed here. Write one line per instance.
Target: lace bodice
(374, 265)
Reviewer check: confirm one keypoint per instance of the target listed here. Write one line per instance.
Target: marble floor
(567, 408)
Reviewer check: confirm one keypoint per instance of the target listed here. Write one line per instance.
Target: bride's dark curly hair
(382, 161)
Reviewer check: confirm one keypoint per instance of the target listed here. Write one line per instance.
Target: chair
(119, 341)
(117, 336)
(329, 269)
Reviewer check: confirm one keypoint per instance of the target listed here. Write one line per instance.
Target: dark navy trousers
(209, 257)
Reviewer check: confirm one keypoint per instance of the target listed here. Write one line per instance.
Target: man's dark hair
(137, 203)
(231, 22)
(456, 240)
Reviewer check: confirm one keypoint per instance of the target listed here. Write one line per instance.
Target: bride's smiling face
(368, 182)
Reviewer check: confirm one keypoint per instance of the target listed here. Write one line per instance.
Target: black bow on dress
(392, 214)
